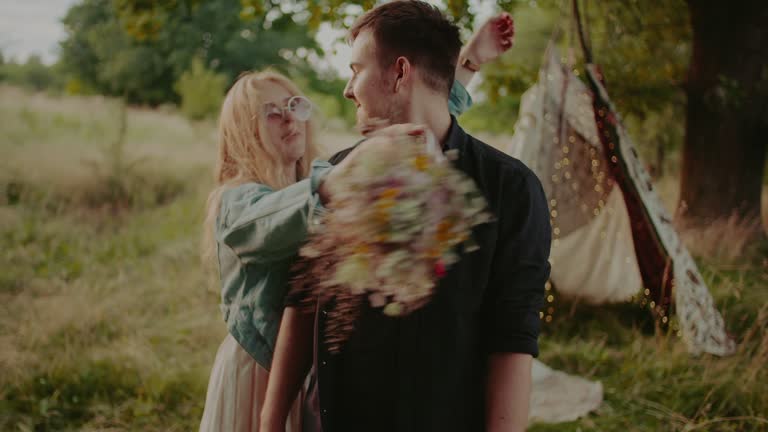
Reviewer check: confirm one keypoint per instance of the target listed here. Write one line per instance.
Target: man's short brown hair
(417, 31)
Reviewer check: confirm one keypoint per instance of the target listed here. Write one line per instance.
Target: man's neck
(431, 110)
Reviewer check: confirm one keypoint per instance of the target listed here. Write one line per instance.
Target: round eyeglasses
(299, 106)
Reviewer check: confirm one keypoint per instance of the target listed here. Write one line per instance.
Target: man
(462, 362)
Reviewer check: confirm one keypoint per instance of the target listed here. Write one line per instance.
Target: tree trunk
(726, 120)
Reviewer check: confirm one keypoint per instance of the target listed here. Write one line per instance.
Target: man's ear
(403, 72)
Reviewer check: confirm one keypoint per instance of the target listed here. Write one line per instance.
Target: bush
(496, 117)
(201, 91)
(33, 74)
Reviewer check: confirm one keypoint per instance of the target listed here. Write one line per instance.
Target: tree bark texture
(724, 153)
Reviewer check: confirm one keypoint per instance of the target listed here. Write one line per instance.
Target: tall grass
(108, 321)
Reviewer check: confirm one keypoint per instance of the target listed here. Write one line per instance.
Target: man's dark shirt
(427, 371)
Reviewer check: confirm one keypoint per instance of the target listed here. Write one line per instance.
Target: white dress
(558, 397)
(236, 392)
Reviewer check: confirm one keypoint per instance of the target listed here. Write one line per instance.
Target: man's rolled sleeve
(520, 269)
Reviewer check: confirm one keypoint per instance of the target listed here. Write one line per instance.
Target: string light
(563, 161)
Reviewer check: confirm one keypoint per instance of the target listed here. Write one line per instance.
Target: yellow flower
(384, 204)
(420, 162)
(393, 309)
(382, 216)
(444, 231)
(390, 193)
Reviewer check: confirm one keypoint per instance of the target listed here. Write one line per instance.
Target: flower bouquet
(390, 233)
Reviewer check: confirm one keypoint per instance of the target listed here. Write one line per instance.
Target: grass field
(109, 322)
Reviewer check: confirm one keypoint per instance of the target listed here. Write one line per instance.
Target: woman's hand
(493, 39)
(490, 41)
(379, 141)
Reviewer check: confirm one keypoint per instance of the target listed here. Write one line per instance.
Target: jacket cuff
(317, 173)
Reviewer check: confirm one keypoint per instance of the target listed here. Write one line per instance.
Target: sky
(30, 27)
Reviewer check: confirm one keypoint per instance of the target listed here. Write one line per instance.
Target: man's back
(427, 371)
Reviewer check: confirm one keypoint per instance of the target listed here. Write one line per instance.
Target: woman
(257, 217)
(266, 144)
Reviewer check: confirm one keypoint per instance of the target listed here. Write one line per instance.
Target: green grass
(108, 321)
(106, 324)
(650, 381)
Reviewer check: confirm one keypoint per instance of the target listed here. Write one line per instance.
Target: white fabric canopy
(594, 249)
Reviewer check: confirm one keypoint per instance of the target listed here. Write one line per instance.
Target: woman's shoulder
(245, 191)
(237, 198)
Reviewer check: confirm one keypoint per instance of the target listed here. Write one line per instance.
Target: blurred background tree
(115, 49)
(727, 111)
(33, 74)
(201, 91)
(102, 58)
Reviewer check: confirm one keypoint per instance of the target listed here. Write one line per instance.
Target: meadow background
(109, 321)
